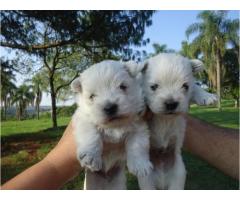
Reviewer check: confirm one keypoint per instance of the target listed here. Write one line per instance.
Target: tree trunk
(218, 79)
(37, 110)
(20, 112)
(5, 108)
(53, 100)
(236, 103)
(38, 102)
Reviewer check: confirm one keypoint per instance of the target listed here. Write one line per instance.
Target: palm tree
(37, 84)
(161, 48)
(7, 85)
(23, 97)
(189, 50)
(7, 92)
(214, 31)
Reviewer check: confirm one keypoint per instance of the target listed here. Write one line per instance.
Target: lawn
(9, 128)
(25, 143)
(227, 117)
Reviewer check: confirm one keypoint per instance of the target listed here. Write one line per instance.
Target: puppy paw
(90, 160)
(140, 168)
(211, 99)
(207, 99)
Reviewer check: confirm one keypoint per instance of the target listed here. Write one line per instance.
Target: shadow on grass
(202, 176)
(29, 141)
(50, 133)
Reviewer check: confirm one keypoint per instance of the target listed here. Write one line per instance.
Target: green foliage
(231, 79)
(7, 85)
(115, 30)
(189, 50)
(161, 48)
(66, 111)
(22, 98)
(214, 33)
(7, 75)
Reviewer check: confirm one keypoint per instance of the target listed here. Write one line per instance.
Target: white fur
(201, 97)
(92, 127)
(170, 72)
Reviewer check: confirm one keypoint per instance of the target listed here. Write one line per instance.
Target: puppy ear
(76, 85)
(132, 68)
(197, 65)
(144, 67)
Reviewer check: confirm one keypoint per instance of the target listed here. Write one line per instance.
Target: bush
(66, 111)
(46, 114)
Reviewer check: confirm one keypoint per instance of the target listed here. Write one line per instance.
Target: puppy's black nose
(171, 105)
(110, 109)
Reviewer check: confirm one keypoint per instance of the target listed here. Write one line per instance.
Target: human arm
(218, 146)
(58, 167)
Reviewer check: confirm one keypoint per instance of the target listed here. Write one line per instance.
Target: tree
(55, 35)
(37, 90)
(158, 48)
(231, 79)
(23, 97)
(111, 29)
(7, 85)
(214, 31)
(189, 50)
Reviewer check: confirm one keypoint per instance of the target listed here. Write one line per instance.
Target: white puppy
(109, 101)
(169, 86)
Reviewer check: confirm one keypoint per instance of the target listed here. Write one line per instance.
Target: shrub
(66, 111)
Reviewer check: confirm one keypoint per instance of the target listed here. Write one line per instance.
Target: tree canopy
(116, 30)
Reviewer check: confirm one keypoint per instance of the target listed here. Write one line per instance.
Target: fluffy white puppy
(169, 86)
(109, 101)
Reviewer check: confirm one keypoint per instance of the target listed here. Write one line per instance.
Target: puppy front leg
(89, 146)
(202, 97)
(147, 182)
(137, 149)
(178, 175)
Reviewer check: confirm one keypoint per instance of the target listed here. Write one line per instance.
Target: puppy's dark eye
(123, 87)
(92, 96)
(154, 87)
(185, 86)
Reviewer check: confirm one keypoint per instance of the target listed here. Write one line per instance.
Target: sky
(168, 27)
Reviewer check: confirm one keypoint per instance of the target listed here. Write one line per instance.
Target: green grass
(200, 175)
(27, 142)
(29, 126)
(227, 117)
